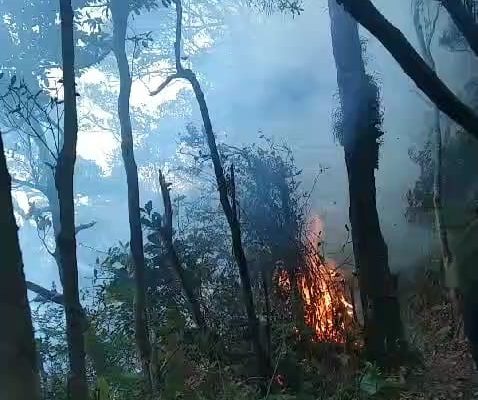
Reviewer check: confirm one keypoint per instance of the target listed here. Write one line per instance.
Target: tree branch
(83, 227)
(31, 185)
(163, 85)
(166, 233)
(168, 209)
(46, 294)
(365, 13)
(464, 22)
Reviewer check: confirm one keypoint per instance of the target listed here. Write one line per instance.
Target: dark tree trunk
(360, 132)
(412, 64)
(464, 20)
(222, 186)
(66, 240)
(167, 237)
(383, 327)
(234, 226)
(120, 13)
(19, 377)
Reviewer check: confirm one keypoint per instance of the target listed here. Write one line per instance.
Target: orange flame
(322, 289)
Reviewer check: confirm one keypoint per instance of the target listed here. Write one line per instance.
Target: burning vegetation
(326, 301)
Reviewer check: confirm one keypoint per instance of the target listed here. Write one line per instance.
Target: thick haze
(276, 74)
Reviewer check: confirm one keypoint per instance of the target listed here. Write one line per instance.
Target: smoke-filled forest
(238, 199)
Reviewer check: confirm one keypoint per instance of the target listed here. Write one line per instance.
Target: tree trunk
(234, 226)
(440, 226)
(167, 237)
(120, 13)
(66, 240)
(360, 134)
(19, 377)
(425, 41)
(464, 21)
(231, 216)
(267, 302)
(412, 64)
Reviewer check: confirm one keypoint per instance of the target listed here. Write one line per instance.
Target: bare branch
(46, 294)
(83, 227)
(31, 185)
(168, 210)
(179, 32)
(168, 80)
(166, 233)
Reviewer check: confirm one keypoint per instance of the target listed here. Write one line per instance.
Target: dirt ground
(446, 370)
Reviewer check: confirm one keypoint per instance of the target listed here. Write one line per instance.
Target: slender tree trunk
(267, 301)
(47, 180)
(360, 134)
(231, 216)
(464, 20)
(120, 13)
(234, 226)
(167, 237)
(19, 379)
(412, 64)
(66, 240)
(425, 41)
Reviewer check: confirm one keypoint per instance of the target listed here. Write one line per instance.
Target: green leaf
(103, 389)
(372, 380)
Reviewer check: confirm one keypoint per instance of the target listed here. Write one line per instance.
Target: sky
(273, 75)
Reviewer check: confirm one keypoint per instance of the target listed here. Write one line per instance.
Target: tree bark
(19, 377)
(120, 14)
(234, 226)
(365, 13)
(167, 237)
(233, 222)
(425, 41)
(464, 21)
(66, 240)
(360, 133)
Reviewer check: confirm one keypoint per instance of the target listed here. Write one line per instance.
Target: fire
(322, 289)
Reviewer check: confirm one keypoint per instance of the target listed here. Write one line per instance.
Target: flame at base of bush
(323, 291)
(326, 297)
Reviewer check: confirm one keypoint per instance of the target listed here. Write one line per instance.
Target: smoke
(275, 75)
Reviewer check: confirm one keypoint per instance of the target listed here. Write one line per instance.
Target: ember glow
(323, 291)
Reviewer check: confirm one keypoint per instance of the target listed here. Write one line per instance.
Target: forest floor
(446, 371)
